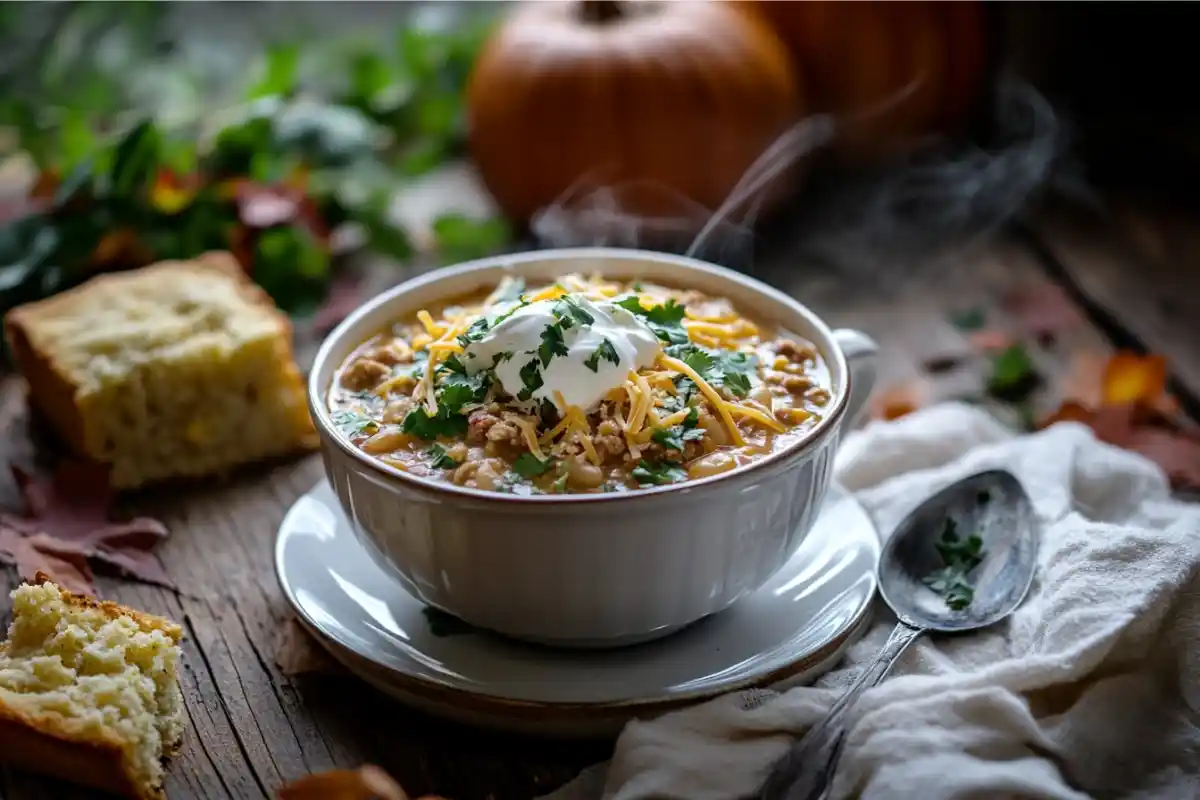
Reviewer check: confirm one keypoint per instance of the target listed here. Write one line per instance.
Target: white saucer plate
(789, 632)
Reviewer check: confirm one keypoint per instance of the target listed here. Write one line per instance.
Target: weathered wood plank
(1139, 265)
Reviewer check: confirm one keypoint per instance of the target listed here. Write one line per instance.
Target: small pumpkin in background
(681, 96)
(890, 71)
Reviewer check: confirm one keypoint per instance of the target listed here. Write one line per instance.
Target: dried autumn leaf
(1175, 453)
(988, 340)
(1042, 310)
(365, 783)
(39, 553)
(299, 654)
(899, 399)
(1084, 381)
(1134, 379)
(71, 509)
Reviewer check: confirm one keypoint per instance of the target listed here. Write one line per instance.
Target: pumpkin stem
(600, 12)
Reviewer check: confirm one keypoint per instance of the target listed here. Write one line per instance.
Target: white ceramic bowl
(592, 569)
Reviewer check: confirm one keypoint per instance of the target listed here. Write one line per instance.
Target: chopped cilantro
(531, 378)
(474, 333)
(658, 474)
(571, 313)
(548, 413)
(453, 364)
(439, 458)
(352, 423)
(666, 320)
(501, 357)
(552, 344)
(1013, 375)
(420, 360)
(496, 320)
(728, 368)
(605, 351)
(443, 423)
(686, 389)
(675, 438)
(959, 556)
(528, 465)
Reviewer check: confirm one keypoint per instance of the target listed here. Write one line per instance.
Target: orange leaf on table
(900, 399)
(1084, 380)
(365, 783)
(1134, 379)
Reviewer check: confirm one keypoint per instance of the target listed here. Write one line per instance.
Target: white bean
(711, 464)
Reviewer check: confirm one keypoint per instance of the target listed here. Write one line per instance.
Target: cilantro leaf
(676, 437)
(443, 423)
(605, 351)
(352, 423)
(552, 344)
(658, 474)
(666, 320)
(737, 383)
(528, 465)
(571, 313)
(531, 378)
(474, 333)
(501, 357)
(453, 364)
(959, 556)
(439, 458)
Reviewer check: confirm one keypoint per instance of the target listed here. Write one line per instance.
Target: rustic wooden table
(1134, 276)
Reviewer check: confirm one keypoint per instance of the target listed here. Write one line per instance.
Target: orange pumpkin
(891, 71)
(682, 96)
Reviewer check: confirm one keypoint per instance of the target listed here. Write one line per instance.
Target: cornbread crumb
(179, 369)
(88, 691)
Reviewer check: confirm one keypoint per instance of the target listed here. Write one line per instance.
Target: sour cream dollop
(613, 332)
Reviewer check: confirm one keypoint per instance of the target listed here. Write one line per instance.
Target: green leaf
(352, 423)
(552, 344)
(658, 474)
(76, 141)
(439, 458)
(1013, 375)
(292, 266)
(605, 351)
(531, 378)
(383, 235)
(442, 424)
(971, 319)
(528, 465)
(461, 238)
(135, 159)
(280, 72)
(665, 319)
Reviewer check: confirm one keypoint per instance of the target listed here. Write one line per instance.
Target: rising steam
(941, 196)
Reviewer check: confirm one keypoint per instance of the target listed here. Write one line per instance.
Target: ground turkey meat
(365, 373)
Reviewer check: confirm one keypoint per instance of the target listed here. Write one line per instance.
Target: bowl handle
(861, 353)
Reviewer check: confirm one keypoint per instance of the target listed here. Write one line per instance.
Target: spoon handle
(807, 769)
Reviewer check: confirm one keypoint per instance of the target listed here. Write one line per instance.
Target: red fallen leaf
(71, 510)
(345, 295)
(1176, 454)
(989, 340)
(1043, 311)
(67, 566)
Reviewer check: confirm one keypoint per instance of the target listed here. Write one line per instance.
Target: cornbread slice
(179, 369)
(88, 691)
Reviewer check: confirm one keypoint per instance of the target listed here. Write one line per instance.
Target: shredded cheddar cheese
(714, 399)
(529, 433)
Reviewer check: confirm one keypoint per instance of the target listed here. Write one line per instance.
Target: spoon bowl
(976, 542)
(991, 505)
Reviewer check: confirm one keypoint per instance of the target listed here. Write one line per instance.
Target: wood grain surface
(252, 728)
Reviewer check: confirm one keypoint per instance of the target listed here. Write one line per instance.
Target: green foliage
(317, 156)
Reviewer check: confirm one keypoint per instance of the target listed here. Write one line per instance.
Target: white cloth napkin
(1092, 689)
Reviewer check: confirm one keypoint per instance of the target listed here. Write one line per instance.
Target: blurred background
(302, 135)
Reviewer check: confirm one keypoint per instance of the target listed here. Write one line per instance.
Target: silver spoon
(990, 505)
